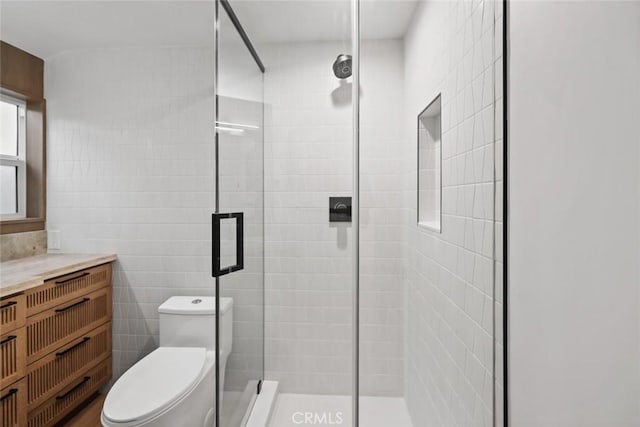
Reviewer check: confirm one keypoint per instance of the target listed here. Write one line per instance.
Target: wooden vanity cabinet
(55, 347)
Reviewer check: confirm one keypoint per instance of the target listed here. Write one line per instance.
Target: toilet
(175, 384)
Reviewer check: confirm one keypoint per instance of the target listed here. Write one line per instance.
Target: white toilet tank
(187, 321)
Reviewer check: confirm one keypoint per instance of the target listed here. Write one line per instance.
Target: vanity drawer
(12, 313)
(13, 405)
(61, 325)
(13, 356)
(66, 288)
(61, 368)
(63, 402)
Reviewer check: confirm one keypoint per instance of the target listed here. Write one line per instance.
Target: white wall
(307, 261)
(449, 49)
(574, 241)
(381, 218)
(308, 152)
(130, 171)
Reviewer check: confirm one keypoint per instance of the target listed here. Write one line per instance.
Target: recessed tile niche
(429, 166)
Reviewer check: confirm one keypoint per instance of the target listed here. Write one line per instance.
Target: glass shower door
(238, 241)
(303, 166)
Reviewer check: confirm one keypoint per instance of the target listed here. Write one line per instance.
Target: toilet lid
(153, 383)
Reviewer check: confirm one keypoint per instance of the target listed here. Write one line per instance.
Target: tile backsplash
(20, 245)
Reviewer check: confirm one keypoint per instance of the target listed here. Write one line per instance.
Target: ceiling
(312, 20)
(46, 28)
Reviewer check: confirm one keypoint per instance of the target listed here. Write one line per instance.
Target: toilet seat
(154, 384)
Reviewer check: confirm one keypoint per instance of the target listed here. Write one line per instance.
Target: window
(13, 170)
(23, 182)
(429, 162)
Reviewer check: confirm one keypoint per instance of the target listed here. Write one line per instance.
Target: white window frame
(19, 161)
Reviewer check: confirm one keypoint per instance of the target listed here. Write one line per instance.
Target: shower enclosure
(361, 313)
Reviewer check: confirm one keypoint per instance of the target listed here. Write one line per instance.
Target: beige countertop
(21, 274)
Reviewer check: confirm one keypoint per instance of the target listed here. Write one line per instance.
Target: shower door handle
(216, 220)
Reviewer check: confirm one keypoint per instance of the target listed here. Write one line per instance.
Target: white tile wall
(381, 218)
(449, 277)
(309, 288)
(130, 171)
(307, 260)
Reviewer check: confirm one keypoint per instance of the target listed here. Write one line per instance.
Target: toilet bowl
(175, 384)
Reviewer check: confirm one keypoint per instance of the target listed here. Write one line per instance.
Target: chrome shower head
(342, 66)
